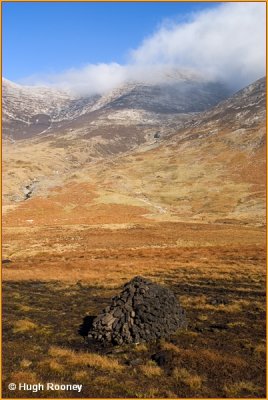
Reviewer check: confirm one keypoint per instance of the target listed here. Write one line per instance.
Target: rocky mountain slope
(213, 169)
(30, 111)
(180, 165)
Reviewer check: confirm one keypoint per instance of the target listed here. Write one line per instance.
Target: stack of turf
(142, 312)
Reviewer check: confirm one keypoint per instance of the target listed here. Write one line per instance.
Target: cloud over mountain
(225, 43)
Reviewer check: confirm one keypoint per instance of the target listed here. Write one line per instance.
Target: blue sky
(93, 47)
(48, 38)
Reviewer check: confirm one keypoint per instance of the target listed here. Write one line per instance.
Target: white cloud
(91, 78)
(226, 43)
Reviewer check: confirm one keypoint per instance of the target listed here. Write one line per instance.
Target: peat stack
(142, 312)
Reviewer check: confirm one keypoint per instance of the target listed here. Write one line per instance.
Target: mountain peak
(179, 93)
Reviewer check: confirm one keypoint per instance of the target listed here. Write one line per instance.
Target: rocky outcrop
(142, 312)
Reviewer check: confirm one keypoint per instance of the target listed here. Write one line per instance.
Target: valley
(123, 185)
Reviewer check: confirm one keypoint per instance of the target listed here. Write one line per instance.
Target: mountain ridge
(208, 167)
(29, 111)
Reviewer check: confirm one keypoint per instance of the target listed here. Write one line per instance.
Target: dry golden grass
(101, 266)
(95, 361)
(202, 317)
(52, 365)
(25, 363)
(201, 302)
(260, 349)
(236, 324)
(24, 308)
(80, 375)
(86, 359)
(209, 355)
(55, 366)
(151, 393)
(141, 347)
(105, 380)
(151, 370)
(27, 377)
(55, 351)
(24, 325)
(170, 346)
(215, 356)
(239, 388)
(194, 381)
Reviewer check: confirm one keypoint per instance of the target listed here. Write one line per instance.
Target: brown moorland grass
(150, 370)
(87, 359)
(192, 380)
(23, 325)
(59, 274)
(218, 351)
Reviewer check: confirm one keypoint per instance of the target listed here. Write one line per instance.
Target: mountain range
(28, 111)
(186, 149)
